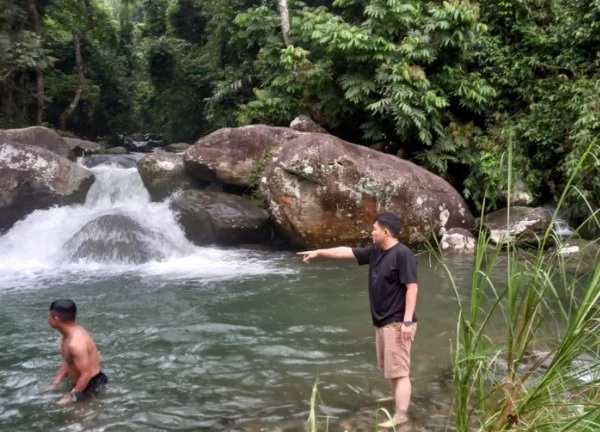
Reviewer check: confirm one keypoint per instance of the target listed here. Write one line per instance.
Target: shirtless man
(81, 362)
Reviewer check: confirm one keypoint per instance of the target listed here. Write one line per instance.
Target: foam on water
(36, 251)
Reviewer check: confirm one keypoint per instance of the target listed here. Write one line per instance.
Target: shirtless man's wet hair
(81, 361)
(66, 310)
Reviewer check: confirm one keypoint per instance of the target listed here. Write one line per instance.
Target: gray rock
(177, 147)
(525, 224)
(81, 147)
(34, 178)
(303, 123)
(115, 238)
(39, 136)
(116, 151)
(163, 173)
(458, 240)
(215, 217)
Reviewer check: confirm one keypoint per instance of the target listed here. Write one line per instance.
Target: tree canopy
(451, 85)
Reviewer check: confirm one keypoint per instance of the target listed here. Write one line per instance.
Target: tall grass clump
(526, 352)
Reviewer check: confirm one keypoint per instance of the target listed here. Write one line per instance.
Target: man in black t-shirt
(393, 298)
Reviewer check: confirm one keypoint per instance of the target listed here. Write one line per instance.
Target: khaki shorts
(393, 353)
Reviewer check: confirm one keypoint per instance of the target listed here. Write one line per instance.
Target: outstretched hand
(308, 255)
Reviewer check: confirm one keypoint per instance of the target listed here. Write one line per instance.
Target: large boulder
(33, 178)
(81, 147)
(521, 224)
(215, 217)
(236, 156)
(163, 173)
(39, 136)
(323, 191)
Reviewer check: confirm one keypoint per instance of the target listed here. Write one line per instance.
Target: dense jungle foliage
(448, 84)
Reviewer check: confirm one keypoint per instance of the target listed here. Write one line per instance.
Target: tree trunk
(39, 30)
(77, 35)
(285, 20)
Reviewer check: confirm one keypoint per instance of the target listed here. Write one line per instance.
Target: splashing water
(117, 230)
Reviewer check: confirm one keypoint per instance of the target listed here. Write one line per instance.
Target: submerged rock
(117, 239)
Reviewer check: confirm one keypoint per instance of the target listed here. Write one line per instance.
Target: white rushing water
(117, 230)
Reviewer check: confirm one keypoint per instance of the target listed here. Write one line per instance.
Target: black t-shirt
(389, 272)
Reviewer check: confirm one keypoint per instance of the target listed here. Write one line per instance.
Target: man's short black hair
(389, 220)
(65, 309)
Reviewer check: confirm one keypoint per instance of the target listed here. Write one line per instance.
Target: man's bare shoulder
(80, 337)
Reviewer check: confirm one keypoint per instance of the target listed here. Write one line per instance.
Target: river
(201, 338)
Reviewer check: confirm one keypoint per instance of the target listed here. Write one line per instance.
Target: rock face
(163, 173)
(81, 147)
(323, 191)
(216, 217)
(458, 240)
(33, 178)
(524, 224)
(38, 136)
(235, 155)
(304, 123)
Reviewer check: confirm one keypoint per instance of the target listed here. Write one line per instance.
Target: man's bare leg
(402, 389)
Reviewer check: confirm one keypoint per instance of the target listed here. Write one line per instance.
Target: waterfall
(118, 229)
(561, 222)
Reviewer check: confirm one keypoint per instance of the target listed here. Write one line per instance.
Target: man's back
(80, 353)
